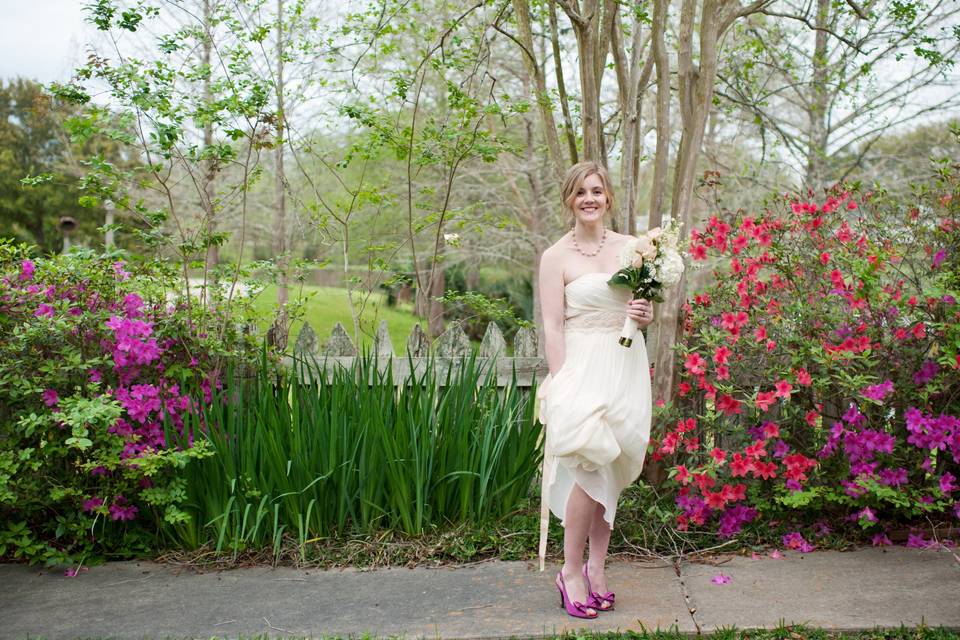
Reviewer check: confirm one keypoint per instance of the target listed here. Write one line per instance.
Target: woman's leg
(578, 522)
(599, 543)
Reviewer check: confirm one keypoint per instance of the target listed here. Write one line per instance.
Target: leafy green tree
(35, 193)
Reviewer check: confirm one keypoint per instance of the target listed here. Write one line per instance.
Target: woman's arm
(551, 308)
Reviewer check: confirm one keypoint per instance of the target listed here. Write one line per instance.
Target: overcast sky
(42, 39)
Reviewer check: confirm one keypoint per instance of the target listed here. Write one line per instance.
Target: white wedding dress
(597, 409)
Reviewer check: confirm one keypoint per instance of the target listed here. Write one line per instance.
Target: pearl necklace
(581, 251)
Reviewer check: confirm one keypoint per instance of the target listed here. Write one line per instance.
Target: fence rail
(447, 351)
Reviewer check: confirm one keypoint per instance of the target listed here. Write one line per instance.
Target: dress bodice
(590, 303)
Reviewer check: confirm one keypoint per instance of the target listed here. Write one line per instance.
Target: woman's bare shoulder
(619, 238)
(557, 249)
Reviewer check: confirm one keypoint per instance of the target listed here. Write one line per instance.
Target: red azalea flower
(803, 378)
(765, 470)
(721, 355)
(719, 455)
(771, 430)
(704, 482)
(740, 465)
(729, 405)
(783, 389)
(695, 364)
(715, 500)
(757, 449)
(684, 426)
(765, 399)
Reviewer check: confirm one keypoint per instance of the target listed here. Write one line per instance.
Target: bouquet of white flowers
(649, 264)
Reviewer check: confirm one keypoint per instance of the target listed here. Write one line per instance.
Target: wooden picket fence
(449, 350)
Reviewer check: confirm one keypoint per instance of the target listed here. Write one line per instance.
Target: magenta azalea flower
(44, 310)
(92, 504)
(796, 542)
(121, 510)
(132, 304)
(878, 391)
(947, 483)
(119, 271)
(893, 477)
(926, 373)
(881, 540)
(26, 269)
(867, 514)
(50, 397)
(917, 541)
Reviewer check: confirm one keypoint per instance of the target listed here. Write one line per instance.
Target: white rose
(646, 248)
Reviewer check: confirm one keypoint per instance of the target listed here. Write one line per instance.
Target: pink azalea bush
(97, 371)
(820, 368)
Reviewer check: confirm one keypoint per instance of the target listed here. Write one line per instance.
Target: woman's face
(590, 200)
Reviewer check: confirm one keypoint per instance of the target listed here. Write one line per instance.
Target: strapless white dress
(597, 409)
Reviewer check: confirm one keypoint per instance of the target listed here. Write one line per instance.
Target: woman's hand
(640, 311)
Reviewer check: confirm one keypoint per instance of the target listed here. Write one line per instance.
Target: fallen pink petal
(721, 579)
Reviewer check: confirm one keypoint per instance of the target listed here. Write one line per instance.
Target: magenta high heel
(600, 602)
(575, 609)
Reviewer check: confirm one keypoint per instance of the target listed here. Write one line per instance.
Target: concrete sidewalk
(838, 591)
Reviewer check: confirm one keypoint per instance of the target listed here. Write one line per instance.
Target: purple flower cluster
(122, 510)
(133, 345)
(136, 380)
(934, 432)
(733, 519)
(694, 507)
(797, 542)
(878, 391)
(927, 371)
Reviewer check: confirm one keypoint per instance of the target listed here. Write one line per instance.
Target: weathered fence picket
(447, 351)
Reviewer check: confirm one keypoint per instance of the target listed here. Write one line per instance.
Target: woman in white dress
(595, 403)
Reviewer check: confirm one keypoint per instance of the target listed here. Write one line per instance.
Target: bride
(595, 403)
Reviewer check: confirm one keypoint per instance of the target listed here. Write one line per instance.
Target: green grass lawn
(325, 306)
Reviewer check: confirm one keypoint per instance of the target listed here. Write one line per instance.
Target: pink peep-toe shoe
(600, 602)
(575, 609)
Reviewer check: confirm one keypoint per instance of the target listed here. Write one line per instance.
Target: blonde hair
(574, 180)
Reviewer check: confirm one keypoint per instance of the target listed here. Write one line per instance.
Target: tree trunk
(280, 201)
(662, 158)
(817, 114)
(586, 28)
(435, 321)
(695, 96)
(630, 78)
(213, 251)
(521, 10)
(561, 86)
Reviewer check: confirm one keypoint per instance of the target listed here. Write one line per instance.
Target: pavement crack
(685, 592)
